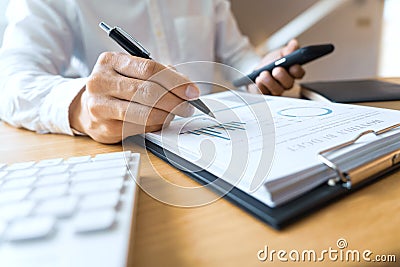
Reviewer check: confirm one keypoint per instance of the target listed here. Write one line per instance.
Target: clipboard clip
(360, 173)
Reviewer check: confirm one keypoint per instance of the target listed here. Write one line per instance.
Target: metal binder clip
(359, 174)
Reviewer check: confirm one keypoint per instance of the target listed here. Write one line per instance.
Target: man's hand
(119, 95)
(280, 79)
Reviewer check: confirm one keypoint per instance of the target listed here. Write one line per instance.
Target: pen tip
(105, 27)
(211, 114)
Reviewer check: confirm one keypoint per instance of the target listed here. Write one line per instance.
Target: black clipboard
(280, 216)
(351, 91)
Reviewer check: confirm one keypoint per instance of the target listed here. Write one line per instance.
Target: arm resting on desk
(36, 52)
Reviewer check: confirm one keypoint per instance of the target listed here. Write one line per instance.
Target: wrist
(76, 116)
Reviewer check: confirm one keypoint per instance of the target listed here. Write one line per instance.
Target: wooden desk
(221, 234)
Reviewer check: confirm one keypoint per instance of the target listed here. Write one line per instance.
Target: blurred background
(364, 32)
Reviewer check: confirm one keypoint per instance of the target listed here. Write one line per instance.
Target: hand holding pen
(118, 96)
(133, 47)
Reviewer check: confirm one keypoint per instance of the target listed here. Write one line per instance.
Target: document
(268, 146)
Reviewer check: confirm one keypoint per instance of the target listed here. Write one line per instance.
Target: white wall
(390, 52)
(354, 29)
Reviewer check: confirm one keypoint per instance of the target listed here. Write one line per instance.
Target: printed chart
(218, 130)
(302, 112)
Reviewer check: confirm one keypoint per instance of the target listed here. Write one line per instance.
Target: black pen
(133, 47)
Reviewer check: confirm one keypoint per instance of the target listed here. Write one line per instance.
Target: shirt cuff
(54, 112)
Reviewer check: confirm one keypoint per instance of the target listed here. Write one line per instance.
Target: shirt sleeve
(37, 50)
(233, 48)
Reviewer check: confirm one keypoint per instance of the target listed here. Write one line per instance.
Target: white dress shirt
(43, 37)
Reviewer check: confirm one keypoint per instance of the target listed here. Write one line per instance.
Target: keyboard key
(49, 162)
(21, 173)
(18, 183)
(59, 178)
(81, 159)
(49, 191)
(30, 228)
(114, 155)
(16, 210)
(62, 207)
(95, 201)
(134, 158)
(13, 195)
(97, 186)
(99, 174)
(92, 166)
(134, 168)
(89, 221)
(20, 166)
(83, 193)
(54, 170)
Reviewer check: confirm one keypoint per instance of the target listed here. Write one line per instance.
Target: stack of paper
(268, 146)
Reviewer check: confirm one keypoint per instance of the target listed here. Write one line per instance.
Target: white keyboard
(73, 212)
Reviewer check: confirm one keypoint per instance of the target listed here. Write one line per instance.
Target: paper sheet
(263, 144)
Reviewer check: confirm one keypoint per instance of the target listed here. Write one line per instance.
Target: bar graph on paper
(218, 130)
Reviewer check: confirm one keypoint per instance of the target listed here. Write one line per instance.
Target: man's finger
(267, 84)
(145, 69)
(120, 110)
(292, 46)
(144, 92)
(297, 71)
(283, 77)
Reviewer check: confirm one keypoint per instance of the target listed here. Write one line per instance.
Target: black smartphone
(300, 56)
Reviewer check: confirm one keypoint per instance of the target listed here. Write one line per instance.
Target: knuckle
(92, 84)
(152, 94)
(94, 107)
(120, 85)
(268, 81)
(148, 67)
(145, 90)
(278, 73)
(123, 87)
(264, 75)
(105, 58)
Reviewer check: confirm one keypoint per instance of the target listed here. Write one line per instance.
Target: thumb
(291, 46)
